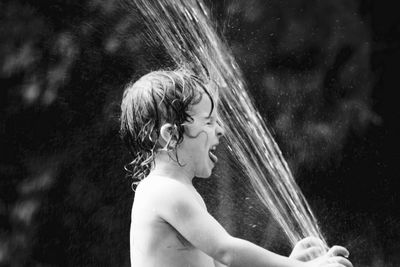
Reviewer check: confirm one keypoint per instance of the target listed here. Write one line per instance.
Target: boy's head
(170, 112)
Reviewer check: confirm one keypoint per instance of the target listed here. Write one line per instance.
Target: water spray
(185, 29)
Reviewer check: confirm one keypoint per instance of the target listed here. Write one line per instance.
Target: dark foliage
(322, 73)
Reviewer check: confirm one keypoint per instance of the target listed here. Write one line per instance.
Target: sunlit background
(322, 74)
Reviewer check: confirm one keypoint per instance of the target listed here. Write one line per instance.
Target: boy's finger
(311, 241)
(340, 260)
(314, 252)
(309, 254)
(338, 251)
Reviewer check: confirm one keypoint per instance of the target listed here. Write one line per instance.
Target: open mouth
(211, 154)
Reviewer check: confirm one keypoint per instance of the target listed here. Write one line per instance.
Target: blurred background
(323, 75)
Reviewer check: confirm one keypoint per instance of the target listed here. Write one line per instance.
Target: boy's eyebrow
(209, 116)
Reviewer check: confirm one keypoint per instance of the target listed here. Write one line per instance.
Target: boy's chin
(204, 175)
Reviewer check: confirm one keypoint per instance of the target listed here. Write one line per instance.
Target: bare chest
(162, 245)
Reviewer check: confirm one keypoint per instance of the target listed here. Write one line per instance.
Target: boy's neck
(166, 166)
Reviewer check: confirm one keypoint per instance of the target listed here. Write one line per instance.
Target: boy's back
(157, 243)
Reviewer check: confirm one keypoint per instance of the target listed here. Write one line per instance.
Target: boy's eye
(211, 122)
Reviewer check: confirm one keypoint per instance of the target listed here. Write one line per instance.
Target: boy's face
(197, 150)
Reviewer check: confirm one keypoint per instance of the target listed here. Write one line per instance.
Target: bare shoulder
(164, 191)
(160, 185)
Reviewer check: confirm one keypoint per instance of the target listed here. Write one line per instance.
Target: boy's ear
(168, 133)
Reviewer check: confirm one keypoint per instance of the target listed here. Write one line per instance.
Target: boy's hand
(308, 249)
(335, 257)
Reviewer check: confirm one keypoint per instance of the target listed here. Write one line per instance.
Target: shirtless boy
(169, 123)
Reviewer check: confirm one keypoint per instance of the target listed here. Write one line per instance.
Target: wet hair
(156, 98)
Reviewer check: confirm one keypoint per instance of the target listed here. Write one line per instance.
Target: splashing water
(185, 29)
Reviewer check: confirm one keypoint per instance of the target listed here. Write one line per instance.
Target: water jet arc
(186, 31)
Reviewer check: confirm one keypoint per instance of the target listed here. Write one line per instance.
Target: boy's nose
(220, 131)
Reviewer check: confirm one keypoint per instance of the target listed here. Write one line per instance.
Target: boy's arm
(185, 214)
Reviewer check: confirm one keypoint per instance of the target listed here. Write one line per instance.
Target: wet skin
(156, 212)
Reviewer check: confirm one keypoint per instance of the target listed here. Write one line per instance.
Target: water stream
(185, 29)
